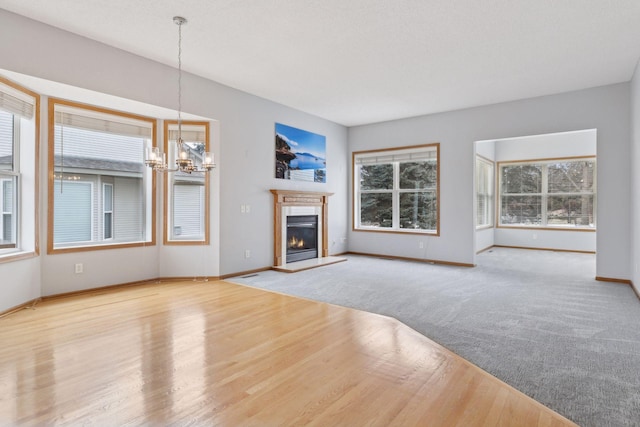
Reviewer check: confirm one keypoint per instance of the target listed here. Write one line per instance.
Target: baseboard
(614, 280)
(401, 258)
(621, 281)
(22, 306)
(98, 289)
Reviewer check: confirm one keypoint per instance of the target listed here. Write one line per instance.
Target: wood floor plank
(217, 353)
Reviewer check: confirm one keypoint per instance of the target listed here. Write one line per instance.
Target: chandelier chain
(180, 80)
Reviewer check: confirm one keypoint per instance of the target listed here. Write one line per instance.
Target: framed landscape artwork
(300, 155)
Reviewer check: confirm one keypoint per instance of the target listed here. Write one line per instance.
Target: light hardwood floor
(217, 353)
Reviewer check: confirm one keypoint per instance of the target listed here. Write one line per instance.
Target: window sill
(17, 256)
(484, 227)
(546, 228)
(400, 231)
(67, 249)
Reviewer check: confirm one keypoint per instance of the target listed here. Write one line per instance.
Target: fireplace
(302, 237)
(301, 207)
(300, 230)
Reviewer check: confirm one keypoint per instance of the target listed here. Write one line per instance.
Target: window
(107, 211)
(8, 207)
(556, 193)
(18, 173)
(484, 192)
(186, 204)
(397, 189)
(100, 190)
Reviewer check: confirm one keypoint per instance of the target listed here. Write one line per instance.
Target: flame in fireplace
(295, 243)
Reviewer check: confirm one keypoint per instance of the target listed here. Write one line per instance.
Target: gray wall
(605, 108)
(244, 148)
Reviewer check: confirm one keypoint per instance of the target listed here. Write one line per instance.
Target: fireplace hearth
(302, 237)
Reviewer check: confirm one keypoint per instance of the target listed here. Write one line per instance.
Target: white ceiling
(363, 61)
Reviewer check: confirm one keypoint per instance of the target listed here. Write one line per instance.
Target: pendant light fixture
(185, 161)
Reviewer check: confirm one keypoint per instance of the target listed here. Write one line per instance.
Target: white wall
(635, 181)
(244, 154)
(548, 146)
(19, 282)
(604, 108)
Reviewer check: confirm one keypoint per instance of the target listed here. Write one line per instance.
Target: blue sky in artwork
(302, 141)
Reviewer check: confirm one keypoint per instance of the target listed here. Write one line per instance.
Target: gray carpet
(537, 320)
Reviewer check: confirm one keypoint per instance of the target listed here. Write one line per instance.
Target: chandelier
(185, 161)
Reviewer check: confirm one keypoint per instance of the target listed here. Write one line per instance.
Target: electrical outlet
(247, 208)
(79, 268)
(421, 245)
(247, 253)
(242, 208)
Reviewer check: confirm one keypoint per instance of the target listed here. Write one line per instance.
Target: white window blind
(102, 122)
(189, 134)
(379, 158)
(73, 208)
(16, 102)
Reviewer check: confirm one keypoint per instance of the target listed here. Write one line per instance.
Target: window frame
(545, 194)
(396, 191)
(490, 195)
(168, 210)
(149, 238)
(27, 235)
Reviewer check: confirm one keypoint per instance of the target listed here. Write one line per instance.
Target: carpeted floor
(537, 320)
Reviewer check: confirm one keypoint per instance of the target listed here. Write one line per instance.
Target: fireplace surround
(292, 203)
